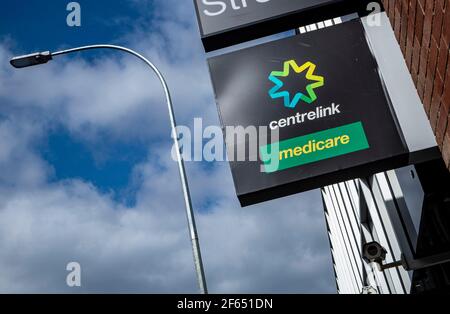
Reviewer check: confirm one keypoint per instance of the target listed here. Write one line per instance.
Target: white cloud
(270, 248)
(279, 246)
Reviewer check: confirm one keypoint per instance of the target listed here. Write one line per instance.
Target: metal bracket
(416, 264)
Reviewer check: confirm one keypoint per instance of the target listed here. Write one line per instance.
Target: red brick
(392, 12)
(431, 71)
(404, 25)
(427, 96)
(428, 22)
(421, 84)
(415, 60)
(420, 16)
(422, 28)
(423, 62)
(446, 26)
(418, 32)
(436, 101)
(422, 3)
(446, 149)
(432, 59)
(445, 101)
(438, 19)
(398, 19)
(440, 4)
(441, 127)
(410, 31)
(442, 59)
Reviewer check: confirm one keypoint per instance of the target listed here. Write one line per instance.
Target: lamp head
(31, 59)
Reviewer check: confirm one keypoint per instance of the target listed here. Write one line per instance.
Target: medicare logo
(277, 91)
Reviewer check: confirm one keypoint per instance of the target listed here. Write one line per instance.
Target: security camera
(369, 290)
(373, 252)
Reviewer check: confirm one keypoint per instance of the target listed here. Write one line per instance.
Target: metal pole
(186, 193)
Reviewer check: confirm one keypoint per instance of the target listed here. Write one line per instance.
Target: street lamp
(44, 57)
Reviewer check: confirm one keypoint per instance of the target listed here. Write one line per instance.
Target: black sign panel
(227, 22)
(323, 93)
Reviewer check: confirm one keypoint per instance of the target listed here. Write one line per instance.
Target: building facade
(422, 29)
(406, 211)
(401, 211)
(361, 211)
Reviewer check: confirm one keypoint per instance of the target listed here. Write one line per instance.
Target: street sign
(227, 22)
(324, 95)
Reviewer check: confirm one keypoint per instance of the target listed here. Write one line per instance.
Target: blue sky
(86, 173)
(46, 24)
(44, 28)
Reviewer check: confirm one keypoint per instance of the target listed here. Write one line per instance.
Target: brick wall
(422, 28)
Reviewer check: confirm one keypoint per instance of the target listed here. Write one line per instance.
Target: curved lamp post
(44, 57)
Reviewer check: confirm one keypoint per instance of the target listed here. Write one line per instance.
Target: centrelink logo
(310, 96)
